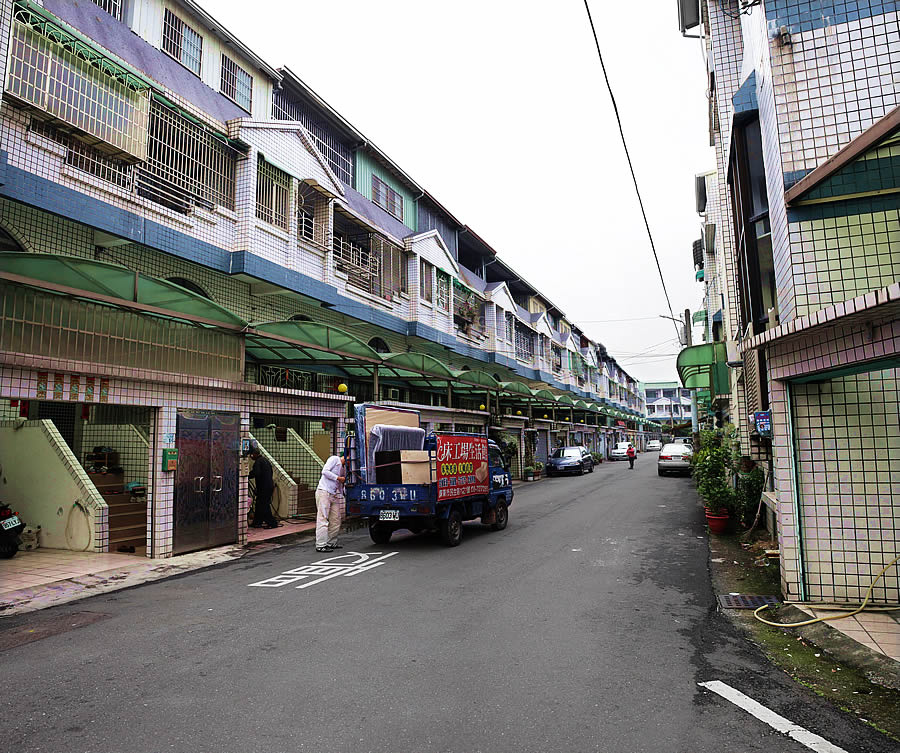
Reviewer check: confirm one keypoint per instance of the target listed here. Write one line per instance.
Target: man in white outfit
(330, 504)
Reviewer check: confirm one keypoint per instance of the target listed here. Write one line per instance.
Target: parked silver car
(653, 445)
(675, 458)
(570, 460)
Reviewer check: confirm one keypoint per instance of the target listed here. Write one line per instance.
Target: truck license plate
(10, 522)
(389, 515)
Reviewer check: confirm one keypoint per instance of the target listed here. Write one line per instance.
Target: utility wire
(630, 165)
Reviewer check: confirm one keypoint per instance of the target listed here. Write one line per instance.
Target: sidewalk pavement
(44, 578)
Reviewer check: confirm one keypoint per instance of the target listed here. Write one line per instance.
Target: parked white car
(675, 458)
(620, 451)
(654, 444)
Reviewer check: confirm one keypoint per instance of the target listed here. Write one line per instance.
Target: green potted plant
(598, 458)
(538, 469)
(713, 473)
(529, 473)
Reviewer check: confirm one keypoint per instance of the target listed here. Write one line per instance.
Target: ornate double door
(206, 482)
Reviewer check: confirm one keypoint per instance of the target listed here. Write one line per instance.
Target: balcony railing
(377, 267)
(310, 231)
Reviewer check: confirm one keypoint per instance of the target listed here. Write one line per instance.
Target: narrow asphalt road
(585, 626)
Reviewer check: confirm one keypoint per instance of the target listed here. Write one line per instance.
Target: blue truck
(397, 477)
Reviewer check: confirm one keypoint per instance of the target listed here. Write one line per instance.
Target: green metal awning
(294, 341)
(565, 400)
(583, 404)
(479, 378)
(115, 285)
(704, 367)
(33, 15)
(413, 364)
(546, 395)
(517, 388)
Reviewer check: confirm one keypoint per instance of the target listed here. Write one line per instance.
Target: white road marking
(331, 567)
(775, 721)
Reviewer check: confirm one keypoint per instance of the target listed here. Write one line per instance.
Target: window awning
(703, 367)
(114, 285)
(295, 341)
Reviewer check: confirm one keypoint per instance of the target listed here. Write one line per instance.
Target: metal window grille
(524, 344)
(113, 7)
(86, 158)
(556, 351)
(426, 289)
(510, 327)
(273, 194)
(46, 75)
(237, 84)
(309, 228)
(338, 155)
(394, 267)
(443, 290)
(32, 321)
(373, 264)
(186, 164)
(182, 42)
(387, 198)
(356, 261)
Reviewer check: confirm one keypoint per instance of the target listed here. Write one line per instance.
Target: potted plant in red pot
(713, 473)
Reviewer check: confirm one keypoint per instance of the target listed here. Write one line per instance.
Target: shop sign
(462, 466)
(763, 421)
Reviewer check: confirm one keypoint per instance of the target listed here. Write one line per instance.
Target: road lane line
(776, 721)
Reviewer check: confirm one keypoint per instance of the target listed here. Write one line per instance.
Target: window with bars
(524, 343)
(556, 357)
(182, 42)
(113, 7)
(186, 164)
(443, 290)
(237, 84)
(338, 154)
(85, 158)
(312, 216)
(510, 327)
(394, 268)
(426, 280)
(372, 264)
(49, 76)
(273, 194)
(387, 198)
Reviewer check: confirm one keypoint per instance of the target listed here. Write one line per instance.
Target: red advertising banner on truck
(462, 466)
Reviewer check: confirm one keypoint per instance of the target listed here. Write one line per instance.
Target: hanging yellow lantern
(342, 388)
(545, 415)
(481, 407)
(518, 413)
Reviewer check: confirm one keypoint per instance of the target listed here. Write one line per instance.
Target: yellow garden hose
(857, 610)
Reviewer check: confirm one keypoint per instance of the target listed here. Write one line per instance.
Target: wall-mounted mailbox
(170, 459)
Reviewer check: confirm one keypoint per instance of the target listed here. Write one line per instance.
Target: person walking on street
(632, 454)
(330, 504)
(261, 473)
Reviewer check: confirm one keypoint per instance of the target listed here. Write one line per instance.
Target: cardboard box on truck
(402, 467)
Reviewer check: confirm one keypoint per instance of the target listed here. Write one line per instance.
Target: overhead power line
(628, 157)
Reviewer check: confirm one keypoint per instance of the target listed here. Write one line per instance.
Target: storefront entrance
(206, 482)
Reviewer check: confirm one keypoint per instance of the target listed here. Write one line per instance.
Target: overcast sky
(499, 109)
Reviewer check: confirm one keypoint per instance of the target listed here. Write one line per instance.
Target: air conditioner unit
(393, 393)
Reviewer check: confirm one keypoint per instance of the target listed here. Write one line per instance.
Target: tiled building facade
(204, 236)
(805, 120)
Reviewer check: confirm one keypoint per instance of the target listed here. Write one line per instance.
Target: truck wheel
(501, 513)
(380, 534)
(451, 528)
(8, 550)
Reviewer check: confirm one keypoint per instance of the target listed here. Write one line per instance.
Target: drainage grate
(35, 630)
(746, 601)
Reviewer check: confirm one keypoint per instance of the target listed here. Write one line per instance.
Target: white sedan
(620, 451)
(654, 444)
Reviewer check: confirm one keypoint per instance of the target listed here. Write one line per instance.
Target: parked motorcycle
(11, 525)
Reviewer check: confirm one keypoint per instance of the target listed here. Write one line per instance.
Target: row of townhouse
(668, 403)
(196, 250)
(799, 257)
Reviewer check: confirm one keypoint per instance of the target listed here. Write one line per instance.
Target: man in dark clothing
(261, 473)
